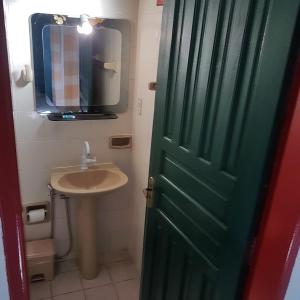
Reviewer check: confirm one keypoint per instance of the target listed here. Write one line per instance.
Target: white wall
(42, 145)
(293, 291)
(3, 278)
(148, 36)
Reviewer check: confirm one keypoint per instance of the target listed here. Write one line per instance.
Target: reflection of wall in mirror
(107, 66)
(86, 68)
(82, 70)
(61, 65)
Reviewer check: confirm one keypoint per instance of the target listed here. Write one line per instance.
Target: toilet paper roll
(36, 215)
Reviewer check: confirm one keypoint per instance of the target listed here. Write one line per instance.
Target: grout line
(128, 279)
(81, 282)
(112, 282)
(83, 289)
(50, 286)
(66, 293)
(98, 286)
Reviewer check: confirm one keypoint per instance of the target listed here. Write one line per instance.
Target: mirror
(76, 72)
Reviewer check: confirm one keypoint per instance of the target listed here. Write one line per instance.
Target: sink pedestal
(87, 238)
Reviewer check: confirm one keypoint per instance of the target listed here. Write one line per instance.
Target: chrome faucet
(86, 159)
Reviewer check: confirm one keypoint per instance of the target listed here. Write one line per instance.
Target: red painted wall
(159, 2)
(10, 203)
(279, 238)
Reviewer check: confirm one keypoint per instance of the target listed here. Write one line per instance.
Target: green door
(221, 69)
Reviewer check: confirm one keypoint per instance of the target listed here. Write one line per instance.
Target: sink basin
(87, 186)
(98, 179)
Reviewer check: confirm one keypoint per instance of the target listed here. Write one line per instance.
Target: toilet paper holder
(27, 208)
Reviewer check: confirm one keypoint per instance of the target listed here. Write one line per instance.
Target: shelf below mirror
(79, 116)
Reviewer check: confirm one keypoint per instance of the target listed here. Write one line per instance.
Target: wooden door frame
(11, 210)
(279, 233)
(10, 201)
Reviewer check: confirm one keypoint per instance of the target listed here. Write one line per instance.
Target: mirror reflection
(82, 69)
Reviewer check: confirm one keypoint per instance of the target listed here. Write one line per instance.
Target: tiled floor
(116, 281)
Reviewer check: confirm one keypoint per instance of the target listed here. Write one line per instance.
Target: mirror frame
(37, 23)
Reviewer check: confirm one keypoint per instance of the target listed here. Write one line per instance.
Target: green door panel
(220, 76)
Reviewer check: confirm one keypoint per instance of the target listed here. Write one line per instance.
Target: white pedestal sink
(86, 186)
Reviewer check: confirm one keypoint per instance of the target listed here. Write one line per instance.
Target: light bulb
(85, 27)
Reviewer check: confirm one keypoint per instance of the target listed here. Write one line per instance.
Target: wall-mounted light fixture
(84, 27)
(87, 23)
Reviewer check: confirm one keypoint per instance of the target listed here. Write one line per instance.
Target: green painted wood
(221, 69)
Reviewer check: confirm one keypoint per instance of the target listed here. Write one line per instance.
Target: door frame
(278, 242)
(10, 201)
(11, 210)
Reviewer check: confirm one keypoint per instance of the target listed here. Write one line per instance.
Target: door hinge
(149, 193)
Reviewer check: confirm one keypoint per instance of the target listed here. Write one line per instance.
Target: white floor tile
(71, 296)
(66, 283)
(106, 292)
(122, 271)
(40, 290)
(128, 290)
(66, 266)
(102, 279)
